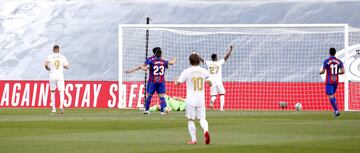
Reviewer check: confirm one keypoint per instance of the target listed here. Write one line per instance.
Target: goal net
(272, 67)
(353, 75)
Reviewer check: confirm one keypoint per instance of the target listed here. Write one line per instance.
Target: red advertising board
(104, 94)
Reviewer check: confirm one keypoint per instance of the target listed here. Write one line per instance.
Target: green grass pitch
(112, 131)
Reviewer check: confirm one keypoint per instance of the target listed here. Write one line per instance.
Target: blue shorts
(158, 87)
(331, 89)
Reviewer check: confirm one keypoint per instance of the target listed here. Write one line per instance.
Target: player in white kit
(195, 78)
(214, 67)
(55, 64)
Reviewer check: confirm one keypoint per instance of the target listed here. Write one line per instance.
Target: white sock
(61, 99)
(222, 102)
(204, 124)
(192, 130)
(213, 98)
(52, 98)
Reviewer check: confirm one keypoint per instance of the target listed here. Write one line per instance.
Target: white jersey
(195, 78)
(215, 70)
(56, 63)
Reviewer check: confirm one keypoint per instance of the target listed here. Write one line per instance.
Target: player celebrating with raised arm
(333, 68)
(195, 78)
(214, 68)
(156, 81)
(55, 64)
(146, 61)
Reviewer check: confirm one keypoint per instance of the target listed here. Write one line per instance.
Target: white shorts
(193, 112)
(59, 84)
(217, 88)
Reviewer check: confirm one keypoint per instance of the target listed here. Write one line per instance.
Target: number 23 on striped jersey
(159, 70)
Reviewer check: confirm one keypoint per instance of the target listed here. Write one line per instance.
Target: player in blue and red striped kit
(333, 67)
(156, 82)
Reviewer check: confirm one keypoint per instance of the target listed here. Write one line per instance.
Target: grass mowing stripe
(109, 130)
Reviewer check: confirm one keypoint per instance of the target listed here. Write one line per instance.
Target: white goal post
(177, 39)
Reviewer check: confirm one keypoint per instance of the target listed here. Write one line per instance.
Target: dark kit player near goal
(156, 81)
(333, 67)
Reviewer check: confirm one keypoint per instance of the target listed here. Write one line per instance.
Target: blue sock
(333, 103)
(162, 104)
(147, 102)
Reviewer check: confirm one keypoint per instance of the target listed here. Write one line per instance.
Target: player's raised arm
(133, 69)
(201, 59)
(342, 70)
(145, 63)
(144, 67)
(207, 79)
(137, 67)
(322, 70)
(228, 53)
(208, 82)
(176, 82)
(66, 66)
(181, 79)
(66, 63)
(173, 61)
(46, 64)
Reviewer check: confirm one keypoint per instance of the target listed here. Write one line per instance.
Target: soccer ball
(298, 106)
